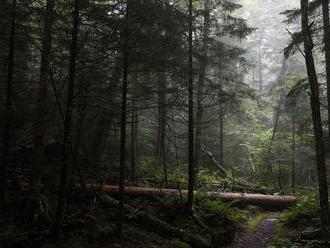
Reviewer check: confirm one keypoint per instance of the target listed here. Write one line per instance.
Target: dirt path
(264, 232)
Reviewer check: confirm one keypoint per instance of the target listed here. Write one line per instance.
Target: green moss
(254, 221)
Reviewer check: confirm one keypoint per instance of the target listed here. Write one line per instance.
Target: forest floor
(258, 234)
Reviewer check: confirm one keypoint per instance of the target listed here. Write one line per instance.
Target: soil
(260, 238)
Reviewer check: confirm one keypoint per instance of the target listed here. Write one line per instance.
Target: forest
(164, 123)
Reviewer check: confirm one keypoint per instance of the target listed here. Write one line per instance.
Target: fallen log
(158, 226)
(269, 202)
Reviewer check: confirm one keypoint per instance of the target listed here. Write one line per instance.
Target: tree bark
(293, 162)
(176, 150)
(277, 118)
(8, 106)
(44, 84)
(316, 113)
(162, 122)
(68, 122)
(279, 177)
(243, 199)
(134, 132)
(221, 126)
(201, 85)
(191, 173)
(326, 39)
(123, 120)
(260, 68)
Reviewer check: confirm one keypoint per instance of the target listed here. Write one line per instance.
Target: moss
(254, 221)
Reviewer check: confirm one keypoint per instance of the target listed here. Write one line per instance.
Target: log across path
(270, 202)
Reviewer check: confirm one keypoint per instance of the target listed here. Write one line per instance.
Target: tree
(162, 123)
(123, 120)
(326, 40)
(191, 174)
(44, 85)
(68, 122)
(8, 110)
(201, 79)
(316, 113)
(293, 146)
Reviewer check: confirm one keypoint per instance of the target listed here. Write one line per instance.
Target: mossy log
(268, 202)
(158, 226)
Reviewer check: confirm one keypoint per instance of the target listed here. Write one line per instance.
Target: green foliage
(295, 220)
(225, 209)
(147, 168)
(208, 177)
(306, 207)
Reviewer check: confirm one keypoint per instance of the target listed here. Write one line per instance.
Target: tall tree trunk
(316, 113)
(81, 113)
(201, 84)
(221, 117)
(191, 174)
(326, 39)
(221, 127)
(279, 177)
(293, 162)
(260, 68)
(122, 162)
(8, 110)
(44, 83)
(162, 122)
(68, 122)
(134, 131)
(276, 122)
(175, 143)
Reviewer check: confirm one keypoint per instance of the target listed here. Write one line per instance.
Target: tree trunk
(134, 131)
(260, 68)
(326, 28)
(176, 150)
(162, 122)
(191, 173)
(68, 122)
(81, 113)
(279, 177)
(8, 110)
(277, 118)
(122, 162)
(221, 127)
(293, 162)
(316, 114)
(44, 83)
(200, 86)
(265, 201)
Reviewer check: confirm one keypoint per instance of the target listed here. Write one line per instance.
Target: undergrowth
(295, 223)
